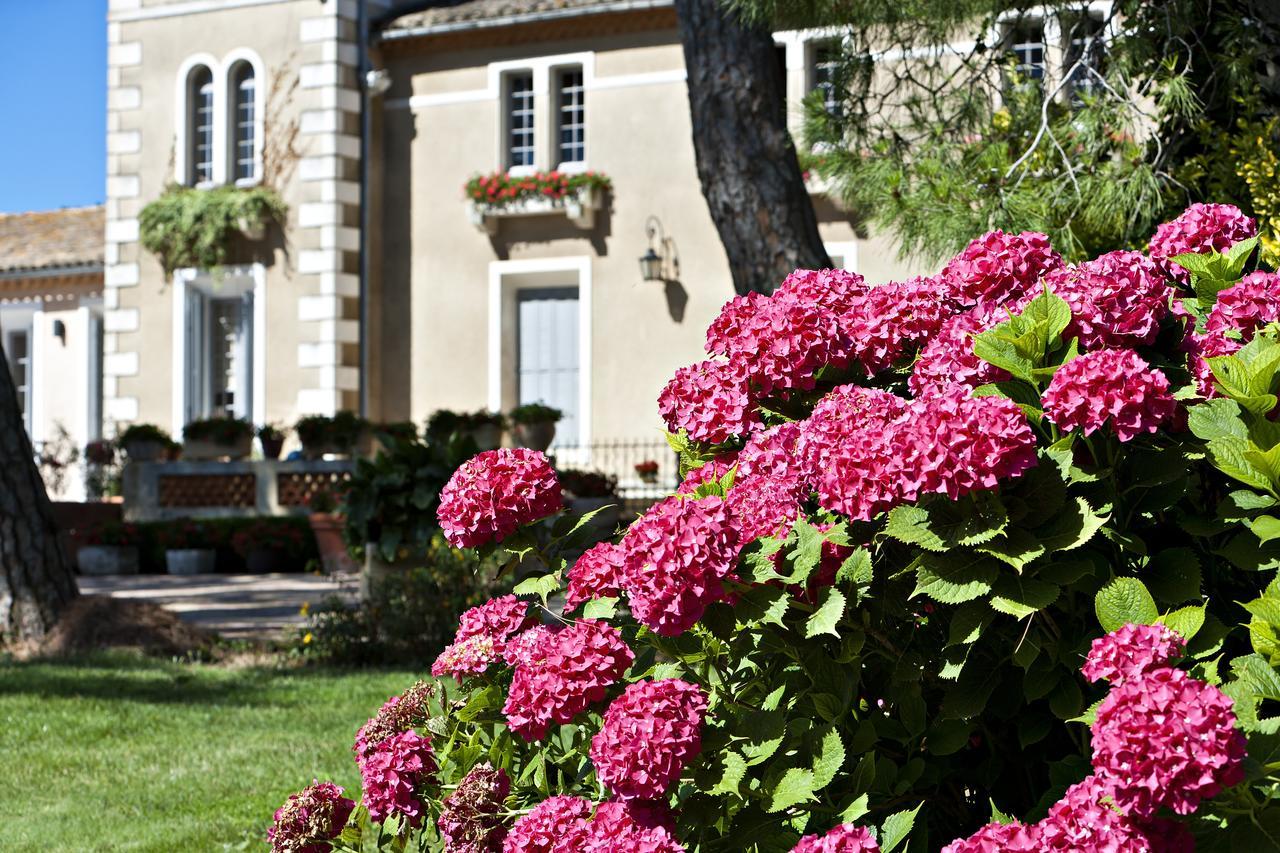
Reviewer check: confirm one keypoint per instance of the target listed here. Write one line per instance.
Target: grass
(124, 753)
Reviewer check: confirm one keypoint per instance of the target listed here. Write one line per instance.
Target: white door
(219, 354)
(547, 354)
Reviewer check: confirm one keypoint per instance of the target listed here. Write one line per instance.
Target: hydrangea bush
(982, 561)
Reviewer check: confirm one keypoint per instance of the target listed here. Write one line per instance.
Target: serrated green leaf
(733, 771)
(1185, 621)
(855, 810)
(600, 608)
(825, 619)
(1173, 575)
(968, 623)
(943, 524)
(795, 787)
(856, 569)
(541, 586)
(1216, 418)
(763, 604)
(829, 761)
(1229, 455)
(1072, 527)
(896, 828)
(1015, 547)
(1124, 600)
(954, 578)
(1022, 597)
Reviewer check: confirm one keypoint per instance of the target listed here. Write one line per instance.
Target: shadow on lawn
(115, 677)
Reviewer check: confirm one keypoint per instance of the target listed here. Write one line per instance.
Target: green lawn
(122, 753)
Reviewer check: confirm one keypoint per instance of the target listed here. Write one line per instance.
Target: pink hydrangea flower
(554, 825)
(634, 827)
(309, 819)
(711, 400)
(1087, 819)
(1247, 305)
(861, 475)
(948, 358)
(596, 574)
(1109, 387)
(495, 493)
(1166, 740)
(845, 411)
(482, 635)
(1130, 651)
(398, 714)
(707, 472)
(471, 817)
(466, 657)
(650, 733)
(953, 444)
(781, 340)
(770, 484)
(576, 667)
(997, 267)
(392, 774)
(835, 290)
(895, 318)
(845, 838)
(1116, 300)
(997, 838)
(1199, 229)
(677, 555)
(528, 646)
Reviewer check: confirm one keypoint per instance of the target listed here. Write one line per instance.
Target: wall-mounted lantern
(654, 263)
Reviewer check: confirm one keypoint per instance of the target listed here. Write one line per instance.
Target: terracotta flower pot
(327, 528)
(271, 447)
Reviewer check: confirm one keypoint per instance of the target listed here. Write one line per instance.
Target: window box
(578, 206)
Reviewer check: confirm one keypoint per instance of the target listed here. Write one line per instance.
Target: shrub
(410, 615)
(863, 601)
(144, 432)
(225, 431)
(340, 431)
(535, 413)
(285, 537)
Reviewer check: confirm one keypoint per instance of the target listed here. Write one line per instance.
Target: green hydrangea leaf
(954, 578)
(1124, 600)
(795, 787)
(825, 619)
(829, 761)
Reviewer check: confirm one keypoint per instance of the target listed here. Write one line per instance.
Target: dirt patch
(97, 622)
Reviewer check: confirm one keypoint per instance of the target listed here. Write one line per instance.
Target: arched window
(201, 117)
(243, 113)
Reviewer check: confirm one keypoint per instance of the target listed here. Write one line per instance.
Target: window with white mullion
(202, 127)
(571, 116)
(520, 129)
(1027, 46)
(824, 74)
(245, 108)
(1083, 54)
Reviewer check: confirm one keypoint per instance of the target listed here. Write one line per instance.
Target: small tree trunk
(36, 579)
(746, 161)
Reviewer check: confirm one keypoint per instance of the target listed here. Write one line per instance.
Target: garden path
(235, 606)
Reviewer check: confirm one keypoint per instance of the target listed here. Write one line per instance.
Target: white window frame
(187, 277)
(231, 62)
(507, 129)
(223, 124)
(91, 321)
(1054, 34)
(557, 119)
(26, 317)
(506, 277)
(542, 68)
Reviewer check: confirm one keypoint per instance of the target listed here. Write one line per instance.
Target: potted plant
(342, 434)
(187, 548)
(443, 423)
(486, 429)
(533, 425)
(586, 491)
(111, 549)
(271, 437)
(145, 443)
(268, 545)
(647, 471)
(102, 470)
(327, 526)
(391, 502)
(216, 438)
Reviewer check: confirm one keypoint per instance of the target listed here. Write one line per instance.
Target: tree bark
(746, 160)
(36, 579)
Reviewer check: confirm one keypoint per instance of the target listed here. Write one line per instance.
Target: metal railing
(617, 458)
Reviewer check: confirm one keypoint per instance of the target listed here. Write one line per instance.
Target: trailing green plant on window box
(499, 195)
(187, 227)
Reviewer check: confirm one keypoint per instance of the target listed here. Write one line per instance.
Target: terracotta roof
(48, 240)
(482, 13)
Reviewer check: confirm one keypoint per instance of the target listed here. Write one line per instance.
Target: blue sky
(53, 88)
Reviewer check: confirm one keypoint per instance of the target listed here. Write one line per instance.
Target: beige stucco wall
(436, 263)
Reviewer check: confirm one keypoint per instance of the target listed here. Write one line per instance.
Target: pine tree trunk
(36, 579)
(746, 160)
